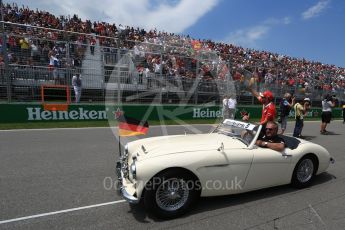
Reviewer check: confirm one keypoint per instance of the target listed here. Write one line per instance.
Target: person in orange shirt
(268, 107)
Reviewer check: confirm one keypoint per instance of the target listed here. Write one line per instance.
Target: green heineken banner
(92, 112)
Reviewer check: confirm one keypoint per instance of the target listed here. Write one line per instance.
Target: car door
(269, 168)
(227, 171)
(240, 161)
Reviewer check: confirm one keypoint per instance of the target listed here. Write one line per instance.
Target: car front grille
(124, 164)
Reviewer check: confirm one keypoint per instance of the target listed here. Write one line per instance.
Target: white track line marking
(59, 212)
(317, 215)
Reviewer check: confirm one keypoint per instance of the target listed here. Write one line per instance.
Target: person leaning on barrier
(271, 139)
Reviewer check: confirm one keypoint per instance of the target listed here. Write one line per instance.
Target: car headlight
(133, 170)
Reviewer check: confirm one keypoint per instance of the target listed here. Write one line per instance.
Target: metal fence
(132, 71)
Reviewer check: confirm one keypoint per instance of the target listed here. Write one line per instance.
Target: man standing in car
(268, 107)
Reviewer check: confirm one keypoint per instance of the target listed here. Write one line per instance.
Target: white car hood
(163, 145)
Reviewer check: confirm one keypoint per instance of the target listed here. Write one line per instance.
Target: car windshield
(242, 131)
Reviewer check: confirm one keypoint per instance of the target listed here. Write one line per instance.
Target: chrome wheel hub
(305, 170)
(172, 194)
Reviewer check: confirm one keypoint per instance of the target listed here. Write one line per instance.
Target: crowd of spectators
(37, 37)
(45, 42)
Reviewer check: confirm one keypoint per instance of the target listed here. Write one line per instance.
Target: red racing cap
(268, 94)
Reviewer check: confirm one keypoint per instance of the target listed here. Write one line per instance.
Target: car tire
(171, 193)
(304, 172)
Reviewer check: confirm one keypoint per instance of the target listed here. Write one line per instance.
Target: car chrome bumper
(128, 197)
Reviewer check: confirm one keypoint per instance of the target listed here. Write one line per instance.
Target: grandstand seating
(169, 62)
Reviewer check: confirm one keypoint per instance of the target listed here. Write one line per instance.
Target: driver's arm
(274, 146)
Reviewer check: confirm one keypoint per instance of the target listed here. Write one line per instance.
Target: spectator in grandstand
(327, 104)
(92, 45)
(35, 53)
(2, 69)
(2, 61)
(53, 65)
(301, 108)
(285, 106)
(45, 53)
(76, 83)
(25, 48)
(76, 62)
(140, 70)
(269, 68)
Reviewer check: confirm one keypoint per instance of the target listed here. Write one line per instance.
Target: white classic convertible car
(169, 173)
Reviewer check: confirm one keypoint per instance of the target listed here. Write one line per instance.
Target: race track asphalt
(61, 179)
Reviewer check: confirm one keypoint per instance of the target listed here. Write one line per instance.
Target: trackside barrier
(19, 113)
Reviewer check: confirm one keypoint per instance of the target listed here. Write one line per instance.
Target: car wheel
(171, 193)
(304, 172)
